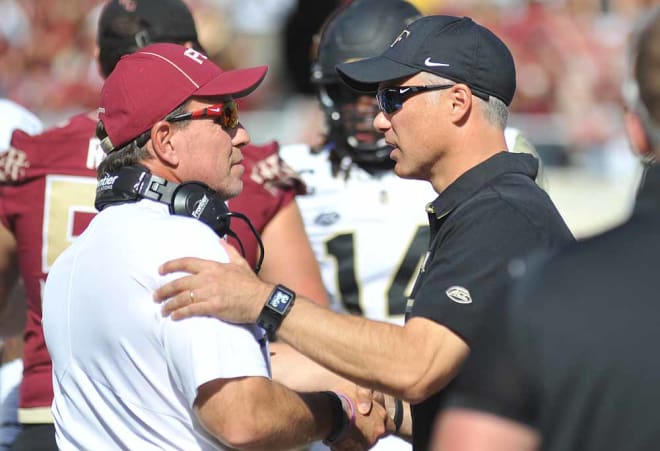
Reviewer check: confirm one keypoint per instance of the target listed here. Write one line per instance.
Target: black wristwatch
(275, 309)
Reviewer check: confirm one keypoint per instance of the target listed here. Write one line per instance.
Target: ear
(636, 134)
(163, 145)
(461, 102)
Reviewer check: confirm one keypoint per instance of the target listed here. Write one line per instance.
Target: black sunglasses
(391, 99)
(225, 114)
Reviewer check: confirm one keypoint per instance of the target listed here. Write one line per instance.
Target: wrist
(343, 416)
(397, 418)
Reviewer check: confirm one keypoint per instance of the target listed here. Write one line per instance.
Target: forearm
(370, 353)
(291, 368)
(265, 414)
(8, 265)
(289, 259)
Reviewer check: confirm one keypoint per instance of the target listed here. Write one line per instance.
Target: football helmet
(361, 29)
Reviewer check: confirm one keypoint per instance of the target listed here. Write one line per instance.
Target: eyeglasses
(391, 99)
(225, 114)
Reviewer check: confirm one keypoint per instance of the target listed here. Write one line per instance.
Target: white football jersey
(368, 233)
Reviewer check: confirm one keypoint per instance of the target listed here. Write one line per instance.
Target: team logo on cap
(195, 56)
(404, 34)
(429, 63)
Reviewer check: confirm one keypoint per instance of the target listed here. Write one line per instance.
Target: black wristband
(398, 414)
(340, 420)
(275, 309)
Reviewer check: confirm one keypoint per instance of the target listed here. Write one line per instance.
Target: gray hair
(494, 110)
(132, 153)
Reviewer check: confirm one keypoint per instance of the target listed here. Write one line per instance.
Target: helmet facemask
(350, 131)
(360, 29)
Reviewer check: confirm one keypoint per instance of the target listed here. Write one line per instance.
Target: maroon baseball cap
(147, 85)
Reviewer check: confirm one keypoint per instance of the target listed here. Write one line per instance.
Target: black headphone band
(192, 199)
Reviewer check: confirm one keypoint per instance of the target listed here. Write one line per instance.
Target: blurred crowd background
(569, 54)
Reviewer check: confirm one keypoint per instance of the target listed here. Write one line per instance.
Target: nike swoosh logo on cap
(215, 109)
(430, 63)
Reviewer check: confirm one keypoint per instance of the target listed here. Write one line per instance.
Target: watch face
(280, 300)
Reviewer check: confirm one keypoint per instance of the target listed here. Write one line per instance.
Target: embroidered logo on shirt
(13, 164)
(459, 294)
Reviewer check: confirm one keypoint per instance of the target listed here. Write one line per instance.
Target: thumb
(234, 256)
(363, 398)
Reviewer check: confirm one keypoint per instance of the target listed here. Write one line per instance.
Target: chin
(401, 171)
(235, 189)
(229, 190)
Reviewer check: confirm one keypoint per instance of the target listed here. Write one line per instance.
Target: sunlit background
(569, 55)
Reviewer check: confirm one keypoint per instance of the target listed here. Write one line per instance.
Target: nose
(381, 123)
(241, 137)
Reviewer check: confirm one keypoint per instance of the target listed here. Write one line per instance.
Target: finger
(173, 288)
(234, 256)
(379, 397)
(363, 397)
(196, 309)
(191, 265)
(231, 250)
(389, 424)
(177, 302)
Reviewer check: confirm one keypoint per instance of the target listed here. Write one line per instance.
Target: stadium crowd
(565, 50)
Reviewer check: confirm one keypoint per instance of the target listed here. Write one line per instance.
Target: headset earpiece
(197, 200)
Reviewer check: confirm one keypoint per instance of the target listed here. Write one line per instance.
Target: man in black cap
(443, 87)
(571, 366)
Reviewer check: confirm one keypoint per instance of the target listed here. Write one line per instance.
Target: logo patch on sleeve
(459, 294)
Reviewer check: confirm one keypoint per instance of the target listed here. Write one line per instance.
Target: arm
(8, 273)
(297, 372)
(289, 258)
(471, 430)
(409, 362)
(273, 417)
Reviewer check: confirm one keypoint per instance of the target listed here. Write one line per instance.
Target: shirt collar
(478, 176)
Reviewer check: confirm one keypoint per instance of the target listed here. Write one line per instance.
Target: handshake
(365, 416)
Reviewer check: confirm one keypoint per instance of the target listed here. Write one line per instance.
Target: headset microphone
(192, 199)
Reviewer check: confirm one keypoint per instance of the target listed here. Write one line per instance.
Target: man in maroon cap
(47, 196)
(125, 376)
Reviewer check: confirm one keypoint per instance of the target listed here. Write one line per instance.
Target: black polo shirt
(490, 215)
(573, 352)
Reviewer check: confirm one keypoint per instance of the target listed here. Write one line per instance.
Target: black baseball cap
(455, 48)
(126, 26)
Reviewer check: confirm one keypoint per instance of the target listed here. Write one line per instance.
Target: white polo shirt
(124, 377)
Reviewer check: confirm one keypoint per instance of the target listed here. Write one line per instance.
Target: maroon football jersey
(48, 184)
(47, 190)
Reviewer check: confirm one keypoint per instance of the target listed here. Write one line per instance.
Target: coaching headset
(192, 199)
